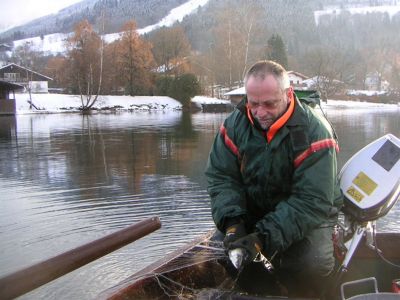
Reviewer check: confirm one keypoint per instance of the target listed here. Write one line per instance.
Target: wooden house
(7, 97)
(30, 80)
(296, 79)
(236, 95)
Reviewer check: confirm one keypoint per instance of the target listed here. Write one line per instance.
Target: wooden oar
(25, 280)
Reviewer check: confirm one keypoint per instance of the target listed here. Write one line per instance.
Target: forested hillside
(115, 12)
(342, 46)
(220, 40)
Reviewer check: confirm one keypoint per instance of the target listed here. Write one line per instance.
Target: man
(272, 179)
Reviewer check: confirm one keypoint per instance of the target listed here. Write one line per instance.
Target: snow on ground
(56, 103)
(51, 43)
(199, 100)
(59, 103)
(176, 14)
(356, 104)
(365, 93)
(55, 43)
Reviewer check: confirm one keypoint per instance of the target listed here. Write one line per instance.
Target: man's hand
(233, 233)
(251, 243)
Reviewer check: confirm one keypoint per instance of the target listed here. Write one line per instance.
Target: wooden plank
(25, 280)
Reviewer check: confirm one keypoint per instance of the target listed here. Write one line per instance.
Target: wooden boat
(193, 272)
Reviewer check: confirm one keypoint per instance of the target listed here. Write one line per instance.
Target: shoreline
(63, 103)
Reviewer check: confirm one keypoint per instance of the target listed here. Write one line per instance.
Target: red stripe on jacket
(228, 142)
(316, 146)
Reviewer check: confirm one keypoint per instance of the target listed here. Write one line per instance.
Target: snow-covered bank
(203, 100)
(199, 100)
(57, 103)
(357, 104)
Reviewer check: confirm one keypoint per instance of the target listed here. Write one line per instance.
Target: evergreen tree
(276, 50)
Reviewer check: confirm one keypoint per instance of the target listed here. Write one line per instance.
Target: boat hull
(192, 273)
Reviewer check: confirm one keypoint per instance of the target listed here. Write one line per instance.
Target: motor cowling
(370, 180)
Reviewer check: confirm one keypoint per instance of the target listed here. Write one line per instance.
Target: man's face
(266, 100)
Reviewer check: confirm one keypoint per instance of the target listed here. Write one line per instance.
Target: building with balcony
(32, 81)
(7, 97)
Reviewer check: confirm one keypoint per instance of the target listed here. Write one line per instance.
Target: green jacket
(281, 186)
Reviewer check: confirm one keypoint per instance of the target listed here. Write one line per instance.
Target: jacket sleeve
(224, 179)
(311, 201)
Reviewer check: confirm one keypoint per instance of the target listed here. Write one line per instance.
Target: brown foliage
(84, 57)
(170, 47)
(133, 61)
(56, 69)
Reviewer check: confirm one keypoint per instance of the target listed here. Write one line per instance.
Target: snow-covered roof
(297, 74)
(239, 92)
(29, 70)
(319, 79)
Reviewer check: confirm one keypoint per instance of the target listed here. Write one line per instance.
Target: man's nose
(262, 112)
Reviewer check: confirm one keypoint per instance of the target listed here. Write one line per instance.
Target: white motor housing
(370, 180)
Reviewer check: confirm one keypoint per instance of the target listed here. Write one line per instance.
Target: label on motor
(365, 183)
(355, 194)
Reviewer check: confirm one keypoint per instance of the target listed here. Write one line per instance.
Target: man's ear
(290, 93)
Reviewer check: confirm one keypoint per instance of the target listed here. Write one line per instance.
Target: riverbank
(331, 103)
(62, 103)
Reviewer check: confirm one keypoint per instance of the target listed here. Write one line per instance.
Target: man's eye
(271, 105)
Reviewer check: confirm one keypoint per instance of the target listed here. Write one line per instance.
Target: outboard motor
(370, 182)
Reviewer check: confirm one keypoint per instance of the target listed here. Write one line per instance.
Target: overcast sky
(16, 12)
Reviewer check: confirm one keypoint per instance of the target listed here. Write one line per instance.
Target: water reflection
(7, 127)
(68, 179)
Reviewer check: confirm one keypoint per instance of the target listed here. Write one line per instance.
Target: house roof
(319, 79)
(297, 74)
(10, 86)
(5, 47)
(29, 70)
(239, 92)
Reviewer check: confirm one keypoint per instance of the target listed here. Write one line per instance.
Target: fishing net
(199, 272)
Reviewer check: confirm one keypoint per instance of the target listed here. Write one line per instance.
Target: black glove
(252, 243)
(234, 232)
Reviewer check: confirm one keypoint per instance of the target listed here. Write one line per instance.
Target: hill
(116, 13)
(147, 12)
(348, 41)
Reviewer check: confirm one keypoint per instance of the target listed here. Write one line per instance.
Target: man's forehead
(263, 100)
(268, 82)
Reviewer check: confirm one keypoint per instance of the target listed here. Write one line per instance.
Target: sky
(17, 12)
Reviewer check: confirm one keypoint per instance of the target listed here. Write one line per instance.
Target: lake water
(67, 179)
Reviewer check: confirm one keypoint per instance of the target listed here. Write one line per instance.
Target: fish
(237, 257)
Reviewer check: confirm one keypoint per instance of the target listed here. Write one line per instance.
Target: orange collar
(278, 124)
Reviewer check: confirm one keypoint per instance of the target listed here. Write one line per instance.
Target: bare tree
(234, 40)
(331, 69)
(134, 61)
(85, 55)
